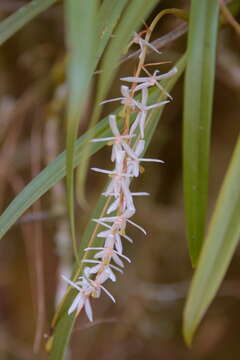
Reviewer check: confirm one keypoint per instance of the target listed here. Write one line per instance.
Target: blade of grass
(198, 99)
(26, 13)
(63, 322)
(109, 14)
(133, 16)
(81, 19)
(221, 241)
(48, 177)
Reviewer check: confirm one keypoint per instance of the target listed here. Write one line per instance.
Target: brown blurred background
(146, 322)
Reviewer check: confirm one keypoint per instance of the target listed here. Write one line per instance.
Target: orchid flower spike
(104, 259)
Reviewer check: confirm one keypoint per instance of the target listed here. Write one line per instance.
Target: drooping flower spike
(108, 257)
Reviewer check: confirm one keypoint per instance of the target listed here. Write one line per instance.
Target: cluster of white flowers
(127, 156)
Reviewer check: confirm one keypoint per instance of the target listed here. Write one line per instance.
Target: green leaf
(81, 19)
(109, 14)
(198, 99)
(48, 177)
(64, 323)
(218, 248)
(131, 19)
(21, 17)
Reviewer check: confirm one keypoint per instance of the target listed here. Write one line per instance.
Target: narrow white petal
(144, 96)
(134, 79)
(94, 269)
(110, 100)
(123, 256)
(102, 277)
(71, 283)
(151, 160)
(108, 293)
(134, 124)
(142, 86)
(93, 248)
(108, 219)
(127, 238)
(117, 260)
(104, 139)
(129, 151)
(91, 261)
(137, 226)
(151, 46)
(125, 91)
(98, 221)
(103, 171)
(140, 194)
(113, 125)
(115, 268)
(140, 147)
(103, 234)
(157, 105)
(113, 206)
(100, 255)
(168, 74)
(118, 243)
(76, 304)
(88, 309)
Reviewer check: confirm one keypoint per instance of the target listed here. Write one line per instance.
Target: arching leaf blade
(221, 241)
(132, 18)
(81, 20)
(21, 17)
(198, 101)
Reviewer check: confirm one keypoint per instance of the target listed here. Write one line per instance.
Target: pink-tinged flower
(126, 99)
(82, 298)
(118, 139)
(133, 164)
(99, 264)
(98, 287)
(119, 176)
(137, 39)
(151, 80)
(127, 201)
(120, 222)
(141, 116)
(104, 234)
(108, 253)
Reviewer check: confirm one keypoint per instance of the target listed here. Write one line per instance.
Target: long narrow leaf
(81, 25)
(64, 322)
(218, 248)
(21, 17)
(109, 14)
(48, 177)
(198, 99)
(133, 17)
